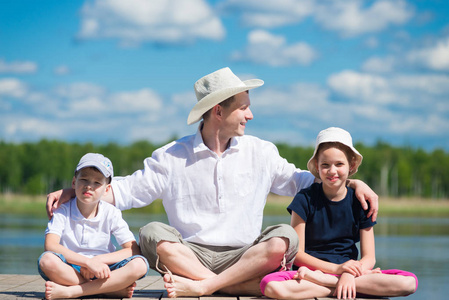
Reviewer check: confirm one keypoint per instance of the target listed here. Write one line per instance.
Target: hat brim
(311, 164)
(217, 97)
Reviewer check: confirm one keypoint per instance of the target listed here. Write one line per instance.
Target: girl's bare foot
(178, 286)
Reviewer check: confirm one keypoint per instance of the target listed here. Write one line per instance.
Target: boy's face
(89, 185)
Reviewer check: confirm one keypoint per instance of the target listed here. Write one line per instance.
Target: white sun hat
(97, 160)
(216, 87)
(334, 134)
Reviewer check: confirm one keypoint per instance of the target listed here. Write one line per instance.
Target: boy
(79, 257)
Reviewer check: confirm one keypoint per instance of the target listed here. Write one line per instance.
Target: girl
(330, 221)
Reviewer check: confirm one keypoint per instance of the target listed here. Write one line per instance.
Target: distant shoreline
(276, 205)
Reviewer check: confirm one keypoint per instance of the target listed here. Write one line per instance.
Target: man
(214, 186)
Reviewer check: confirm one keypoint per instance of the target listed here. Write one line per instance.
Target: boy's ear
(108, 188)
(73, 182)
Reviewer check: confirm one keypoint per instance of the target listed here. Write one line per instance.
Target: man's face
(237, 115)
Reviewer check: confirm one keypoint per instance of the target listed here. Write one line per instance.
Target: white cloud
(372, 42)
(416, 93)
(379, 64)
(142, 101)
(61, 70)
(266, 48)
(435, 57)
(351, 17)
(79, 90)
(363, 87)
(17, 67)
(269, 14)
(12, 87)
(162, 21)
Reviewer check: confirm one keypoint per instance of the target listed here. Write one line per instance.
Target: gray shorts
(215, 258)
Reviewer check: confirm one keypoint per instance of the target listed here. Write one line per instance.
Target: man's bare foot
(125, 293)
(55, 291)
(248, 288)
(178, 286)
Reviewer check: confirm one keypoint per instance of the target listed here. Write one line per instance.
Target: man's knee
(277, 245)
(151, 235)
(284, 231)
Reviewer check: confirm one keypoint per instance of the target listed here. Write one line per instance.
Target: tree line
(41, 167)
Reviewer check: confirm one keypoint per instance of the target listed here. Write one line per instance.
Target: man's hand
(364, 193)
(55, 199)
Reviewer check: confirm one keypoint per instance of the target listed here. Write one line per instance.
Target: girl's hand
(345, 287)
(373, 271)
(353, 267)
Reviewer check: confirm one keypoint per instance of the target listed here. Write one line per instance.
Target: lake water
(417, 245)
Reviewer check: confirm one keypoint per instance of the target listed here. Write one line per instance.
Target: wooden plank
(30, 287)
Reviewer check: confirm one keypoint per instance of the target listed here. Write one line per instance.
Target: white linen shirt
(89, 237)
(212, 200)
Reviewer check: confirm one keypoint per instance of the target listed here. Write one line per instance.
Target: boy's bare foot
(55, 291)
(178, 286)
(125, 293)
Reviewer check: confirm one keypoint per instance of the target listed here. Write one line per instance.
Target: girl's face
(333, 167)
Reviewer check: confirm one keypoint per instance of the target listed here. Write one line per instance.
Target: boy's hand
(345, 287)
(99, 269)
(88, 275)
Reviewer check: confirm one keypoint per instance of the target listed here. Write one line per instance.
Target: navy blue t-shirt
(332, 228)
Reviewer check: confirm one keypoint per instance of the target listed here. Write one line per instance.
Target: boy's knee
(48, 261)
(139, 267)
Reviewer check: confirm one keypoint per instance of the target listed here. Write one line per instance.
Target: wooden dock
(28, 287)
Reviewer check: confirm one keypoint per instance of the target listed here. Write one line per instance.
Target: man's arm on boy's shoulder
(57, 198)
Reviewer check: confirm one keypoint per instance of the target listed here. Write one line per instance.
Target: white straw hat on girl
(216, 87)
(334, 134)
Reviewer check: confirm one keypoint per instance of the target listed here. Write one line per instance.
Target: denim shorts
(77, 268)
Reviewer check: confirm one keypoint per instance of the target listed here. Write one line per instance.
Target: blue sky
(121, 71)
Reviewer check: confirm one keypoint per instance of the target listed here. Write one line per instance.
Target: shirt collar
(76, 214)
(198, 143)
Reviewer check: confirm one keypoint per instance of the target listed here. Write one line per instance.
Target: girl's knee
(408, 285)
(273, 290)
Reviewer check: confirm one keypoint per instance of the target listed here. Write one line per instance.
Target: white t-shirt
(209, 199)
(89, 237)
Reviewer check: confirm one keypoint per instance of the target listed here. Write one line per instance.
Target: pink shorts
(288, 275)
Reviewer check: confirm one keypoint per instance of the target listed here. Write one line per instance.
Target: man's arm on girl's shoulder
(364, 193)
